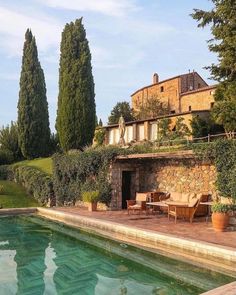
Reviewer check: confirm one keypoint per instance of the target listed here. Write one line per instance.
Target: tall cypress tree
(76, 112)
(33, 119)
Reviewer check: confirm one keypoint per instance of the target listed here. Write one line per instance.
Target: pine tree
(100, 124)
(76, 112)
(33, 119)
(121, 108)
(222, 19)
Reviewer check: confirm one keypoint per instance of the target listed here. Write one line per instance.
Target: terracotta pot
(92, 207)
(220, 221)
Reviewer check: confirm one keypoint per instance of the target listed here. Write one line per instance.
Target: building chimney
(155, 78)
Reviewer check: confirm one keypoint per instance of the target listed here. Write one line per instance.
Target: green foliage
(223, 153)
(218, 207)
(181, 129)
(222, 20)
(1, 189)
(36, 183)
(6, 157)
(90, 196)
(163, 132)
(99, 136)
(15, 196)
(75, 122)
(152, 108)
(100, 124)
(4, 173)
(33, 120)
(179, 132)
(42, 164)
(224, 113)
(121, 109)
(9, 140)
(83, 171)
(199, 126)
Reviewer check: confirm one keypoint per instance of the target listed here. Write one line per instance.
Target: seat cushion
(193, 201)
(185, 197)
(141, 196)
(175, 197)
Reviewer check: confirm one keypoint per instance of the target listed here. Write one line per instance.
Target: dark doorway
(127, 187)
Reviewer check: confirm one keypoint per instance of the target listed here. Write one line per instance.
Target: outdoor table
(158, 204)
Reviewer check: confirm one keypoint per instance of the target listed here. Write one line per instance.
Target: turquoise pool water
(43, 257)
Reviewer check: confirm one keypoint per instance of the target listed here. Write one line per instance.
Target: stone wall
(172, 175)
(178, 176)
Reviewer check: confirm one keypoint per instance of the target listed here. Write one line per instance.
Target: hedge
(6, 157)
(37, 183)
(83, 171)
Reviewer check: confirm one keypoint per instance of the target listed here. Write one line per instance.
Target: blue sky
(129, 41)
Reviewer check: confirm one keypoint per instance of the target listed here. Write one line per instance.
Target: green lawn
(43, 164)
(14, 196)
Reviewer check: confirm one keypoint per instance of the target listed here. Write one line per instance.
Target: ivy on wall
(83, 171)
(223, 154)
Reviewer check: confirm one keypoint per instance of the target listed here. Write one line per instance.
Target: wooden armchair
(137, 205)
(186, 211)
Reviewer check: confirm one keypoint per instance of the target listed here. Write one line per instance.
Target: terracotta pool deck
(199, 230)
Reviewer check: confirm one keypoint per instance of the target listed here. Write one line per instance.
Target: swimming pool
(38, 256)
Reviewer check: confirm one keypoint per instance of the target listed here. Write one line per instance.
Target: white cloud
(108, 7)
(14, 25)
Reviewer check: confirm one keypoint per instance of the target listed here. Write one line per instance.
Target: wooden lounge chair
(186, 211)
(137, 205)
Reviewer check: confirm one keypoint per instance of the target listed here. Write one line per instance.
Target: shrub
(37, 183)
(83, 171)
(1, 189)
(223, 154)
(220, 208)
(90, 196)
(4, 172)
(6, 157)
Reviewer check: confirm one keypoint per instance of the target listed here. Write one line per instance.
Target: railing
(197, 140)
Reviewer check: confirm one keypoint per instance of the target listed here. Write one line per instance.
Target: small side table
(208, 204)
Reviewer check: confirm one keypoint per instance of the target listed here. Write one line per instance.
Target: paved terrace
(199, 230)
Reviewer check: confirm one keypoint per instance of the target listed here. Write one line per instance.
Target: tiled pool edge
(18, 211)
(213, 256)
(229, 289)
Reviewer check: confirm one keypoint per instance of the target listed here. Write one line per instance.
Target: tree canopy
(76, 112)
(152, 108)
(33, 119)
(121, 108)
(222, 19)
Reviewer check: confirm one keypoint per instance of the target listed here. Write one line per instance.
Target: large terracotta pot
(220, 221)
(92, 207)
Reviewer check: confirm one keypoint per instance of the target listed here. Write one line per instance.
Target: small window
(172, 112)
(162, 88)
(199, 85)
(212, 105)
(190, 108)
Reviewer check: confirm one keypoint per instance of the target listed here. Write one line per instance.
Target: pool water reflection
(38, 257)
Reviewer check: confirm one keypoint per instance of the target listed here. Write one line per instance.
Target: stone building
(185, 95)
(168, 172)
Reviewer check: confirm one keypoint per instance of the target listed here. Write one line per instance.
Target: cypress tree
(76, 113)
(33, 119)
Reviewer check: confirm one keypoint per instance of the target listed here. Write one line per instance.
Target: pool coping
(216, 257)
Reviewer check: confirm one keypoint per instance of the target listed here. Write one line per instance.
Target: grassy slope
(14, 196)
(43, 164)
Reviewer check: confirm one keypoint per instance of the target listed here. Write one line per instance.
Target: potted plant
(91, 197)
(220, 216)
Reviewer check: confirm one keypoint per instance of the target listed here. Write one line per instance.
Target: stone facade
(202, 99)
(163, 174)
(170, 92)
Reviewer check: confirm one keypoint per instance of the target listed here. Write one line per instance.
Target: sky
(129, 41)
